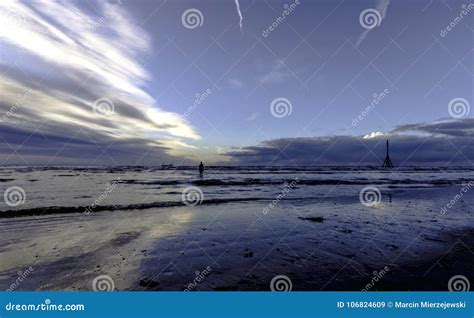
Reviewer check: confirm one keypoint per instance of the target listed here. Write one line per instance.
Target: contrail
(237, 5)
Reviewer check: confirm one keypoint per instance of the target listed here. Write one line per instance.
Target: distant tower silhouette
(387, 163)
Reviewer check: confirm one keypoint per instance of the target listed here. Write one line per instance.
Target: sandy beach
(404, 242)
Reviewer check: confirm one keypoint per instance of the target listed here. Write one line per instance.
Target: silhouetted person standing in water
(201, 168)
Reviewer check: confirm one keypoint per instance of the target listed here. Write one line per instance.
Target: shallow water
(142, 188)
(252, 225)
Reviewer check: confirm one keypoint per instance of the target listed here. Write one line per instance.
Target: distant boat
(170, 166)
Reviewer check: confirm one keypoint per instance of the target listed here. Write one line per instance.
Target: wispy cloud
(78, 58)
(279, 73)
(235, 83)
(374, 134)
(253, 116)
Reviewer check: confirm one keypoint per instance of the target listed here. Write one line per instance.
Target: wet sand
(319, 245)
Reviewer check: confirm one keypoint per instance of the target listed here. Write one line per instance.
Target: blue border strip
(238, 304)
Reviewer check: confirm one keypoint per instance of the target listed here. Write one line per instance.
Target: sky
(236, 82)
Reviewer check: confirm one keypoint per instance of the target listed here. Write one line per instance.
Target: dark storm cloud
(23, 147)
(458, 128)
(440, 143)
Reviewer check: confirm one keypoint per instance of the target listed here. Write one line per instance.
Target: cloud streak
(78, 58)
